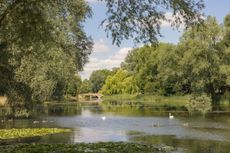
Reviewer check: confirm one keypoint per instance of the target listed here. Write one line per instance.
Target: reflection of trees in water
(191, 146)
(137, 109)
(62, 110)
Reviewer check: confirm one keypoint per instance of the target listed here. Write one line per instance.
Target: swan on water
(171, 116)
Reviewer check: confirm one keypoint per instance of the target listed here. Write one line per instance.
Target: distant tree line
(198, 65)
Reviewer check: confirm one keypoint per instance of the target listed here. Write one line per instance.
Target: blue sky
(106, 56)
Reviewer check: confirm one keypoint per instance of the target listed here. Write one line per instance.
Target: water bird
(44, 121)
(156, 125)
(35, 122)
(103, 118)
(171, 116)
(185, 124)
(10, 120)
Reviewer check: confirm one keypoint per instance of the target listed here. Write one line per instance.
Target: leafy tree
(201, 61)
(136, 62)
(165, 60)
(44, 45)
(151, 67)
(119, 83)
(142, 19)
(97, 79)
(225, 56)
(226, 40)
(85, 86)
(73, 86)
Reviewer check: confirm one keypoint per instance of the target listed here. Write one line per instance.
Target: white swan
(103, 118)
(185, 124)
(171, 116)
(35, 122)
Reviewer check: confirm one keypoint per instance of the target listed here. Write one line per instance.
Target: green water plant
(106, 147)
(29, 132)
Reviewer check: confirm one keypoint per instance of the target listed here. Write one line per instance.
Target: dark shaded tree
(97, 79)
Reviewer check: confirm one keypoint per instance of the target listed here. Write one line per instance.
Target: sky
(105, 55)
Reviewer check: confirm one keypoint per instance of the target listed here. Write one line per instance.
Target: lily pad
(29, 132)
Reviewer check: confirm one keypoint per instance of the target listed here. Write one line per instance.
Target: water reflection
(194, 133)
(95, 135)
(120, 125)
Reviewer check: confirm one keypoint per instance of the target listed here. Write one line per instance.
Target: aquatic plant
(106, 147)
(29, 132)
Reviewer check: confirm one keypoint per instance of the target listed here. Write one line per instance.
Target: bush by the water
(199, 103)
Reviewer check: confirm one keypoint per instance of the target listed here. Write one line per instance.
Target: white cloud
(100, 47)
(92, 1)
(109, 63)
(169, 19)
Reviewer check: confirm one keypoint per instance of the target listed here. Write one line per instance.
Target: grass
(106, 147)
(6, 134)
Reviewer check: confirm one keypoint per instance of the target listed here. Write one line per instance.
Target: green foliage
(97, 79)
(142, 20)
(42, 46)
(27, 132)
(105, 147)
(85, 86)
(226, 40)
(73, 86)
(200, 63)
(154, 73)
(119, 83)
(199, 103)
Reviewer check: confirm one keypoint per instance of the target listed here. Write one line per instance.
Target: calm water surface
(195, 134)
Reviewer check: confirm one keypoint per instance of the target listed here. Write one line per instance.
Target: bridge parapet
(90, 96)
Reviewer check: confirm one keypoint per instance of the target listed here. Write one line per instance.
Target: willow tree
(43, 45)
(142, 19)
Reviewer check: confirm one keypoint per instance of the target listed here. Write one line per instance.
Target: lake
(98, 122)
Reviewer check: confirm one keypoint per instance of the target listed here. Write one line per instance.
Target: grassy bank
(108, 147)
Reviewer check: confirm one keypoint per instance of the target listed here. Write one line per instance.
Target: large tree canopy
(43, 45)
(142, 19)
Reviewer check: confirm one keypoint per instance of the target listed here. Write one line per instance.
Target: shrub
(201, 103)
